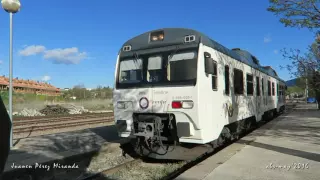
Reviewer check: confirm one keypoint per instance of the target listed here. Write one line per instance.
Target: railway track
(100, 175)
(45, 119)
(45, 123)
(20, 118)
(58, 126)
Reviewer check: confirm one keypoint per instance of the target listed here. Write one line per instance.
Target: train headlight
(157, 36)
(154, 38)
(126, 48)
(121, 105)
(187, 104)
(189, 38)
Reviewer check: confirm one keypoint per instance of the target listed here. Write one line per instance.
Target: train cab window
(273, 90)
(238, 81)
(215, 76)
(269, 88)
(258, 86)
(130, 71)
(182, 66)
(227, 81)
(249, 84)
(278, 93)
(155, 71)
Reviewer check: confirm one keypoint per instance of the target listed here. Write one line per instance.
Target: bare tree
(306, 66)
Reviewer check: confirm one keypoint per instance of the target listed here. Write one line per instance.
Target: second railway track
(46, 123)
(45, 119)
(20, 119)
(57, 126)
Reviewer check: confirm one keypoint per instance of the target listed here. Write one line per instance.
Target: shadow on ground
(288, 151)
(301, 126)
(50, 150)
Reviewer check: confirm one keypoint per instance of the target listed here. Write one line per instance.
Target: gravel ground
(145, 171)
(112, 157)
(107, 159)
(65, 129)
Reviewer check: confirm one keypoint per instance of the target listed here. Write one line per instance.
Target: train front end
(155, 94)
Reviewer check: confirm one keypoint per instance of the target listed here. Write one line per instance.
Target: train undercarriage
(156, 136)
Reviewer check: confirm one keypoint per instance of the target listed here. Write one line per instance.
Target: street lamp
(10, 6)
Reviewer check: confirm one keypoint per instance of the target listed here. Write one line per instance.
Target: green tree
(305, 67)
(302, 14)
(297, 13)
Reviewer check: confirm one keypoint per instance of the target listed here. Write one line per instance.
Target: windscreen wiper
(175, 51)
(135, 61)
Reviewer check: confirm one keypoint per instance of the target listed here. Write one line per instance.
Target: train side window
(269, 88)
(262, 86)
(238, 81)
(273, 90)
(278, 93)
(215, 76)
(258, 86)
(226, 78)
(249, 84)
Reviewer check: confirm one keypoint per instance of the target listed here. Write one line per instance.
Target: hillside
(291, 82)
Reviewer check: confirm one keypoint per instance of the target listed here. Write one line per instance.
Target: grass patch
(38, 102)
(146, 171)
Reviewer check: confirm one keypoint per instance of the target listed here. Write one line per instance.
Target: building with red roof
(29, 86)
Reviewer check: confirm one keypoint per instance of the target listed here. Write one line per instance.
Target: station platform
(286, 148)
(80, 146)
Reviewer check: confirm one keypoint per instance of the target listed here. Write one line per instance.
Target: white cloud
(65, 56)
(275, 51)
(45, 78)
(267, 39)
(32, 50)
(57, 56)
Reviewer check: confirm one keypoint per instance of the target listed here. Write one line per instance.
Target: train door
(259, 100)
(264, 95)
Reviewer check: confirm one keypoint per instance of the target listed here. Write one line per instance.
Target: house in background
(29, 86)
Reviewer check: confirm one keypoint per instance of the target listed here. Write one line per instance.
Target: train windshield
(170, 68)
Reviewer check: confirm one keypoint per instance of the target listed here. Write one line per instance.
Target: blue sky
(68, 42)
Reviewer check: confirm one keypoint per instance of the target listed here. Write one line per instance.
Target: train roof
(175, 36)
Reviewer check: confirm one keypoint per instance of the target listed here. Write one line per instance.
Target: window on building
(269, 88)
(249, 84)
(258, 86)
(215, 76)
(227, 81)
(238, 81)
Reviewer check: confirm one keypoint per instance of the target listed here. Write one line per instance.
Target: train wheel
(226, 134)
(217, 143)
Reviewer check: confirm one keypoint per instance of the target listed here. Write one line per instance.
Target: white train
(177, 92)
